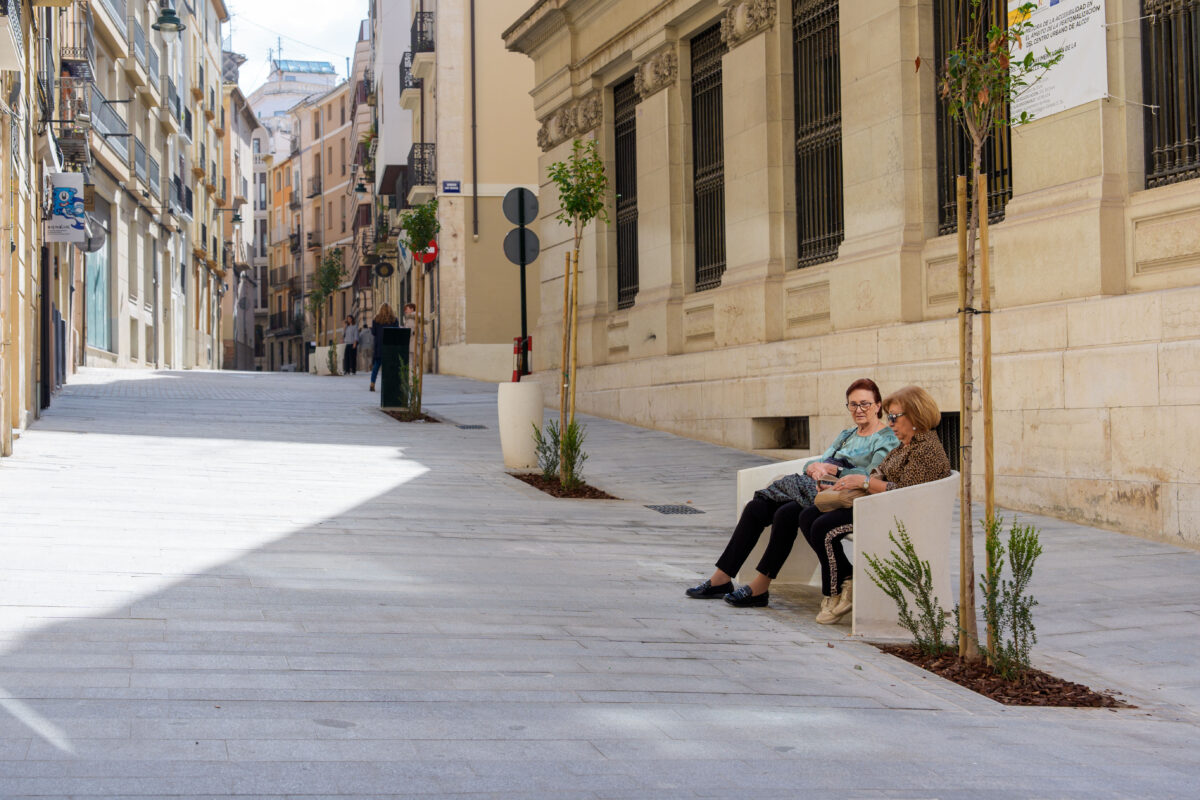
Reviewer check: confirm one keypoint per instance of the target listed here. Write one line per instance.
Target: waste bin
(393, 367)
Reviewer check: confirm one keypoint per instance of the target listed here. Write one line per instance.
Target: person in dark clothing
(386, 318)
(350, 352)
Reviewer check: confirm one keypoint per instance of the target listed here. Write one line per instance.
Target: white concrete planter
(319, 363)
(520, 408)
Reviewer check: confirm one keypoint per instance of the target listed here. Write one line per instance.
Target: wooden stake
(562, 364)
(574, 331)
(966, 569)
(985, 358)
(566, 342)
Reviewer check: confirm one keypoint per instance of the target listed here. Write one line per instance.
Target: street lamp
(360, 193)
(237, 214)
(168, 23)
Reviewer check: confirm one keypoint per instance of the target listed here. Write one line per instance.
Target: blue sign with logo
(451, 187)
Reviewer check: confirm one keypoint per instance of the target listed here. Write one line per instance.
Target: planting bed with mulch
(1036, 689)
(554, 487)
(404, 415)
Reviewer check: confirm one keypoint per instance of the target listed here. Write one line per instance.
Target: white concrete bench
(927, 511)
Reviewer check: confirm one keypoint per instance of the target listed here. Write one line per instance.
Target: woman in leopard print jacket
(913, 415)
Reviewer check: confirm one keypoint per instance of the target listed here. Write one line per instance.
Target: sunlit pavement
(224, 584)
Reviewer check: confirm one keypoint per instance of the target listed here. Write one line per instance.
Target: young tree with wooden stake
(582, 189)
(979, 81)
(327, 280)
(418, 229)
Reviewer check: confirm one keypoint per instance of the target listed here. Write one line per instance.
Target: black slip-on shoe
(742, 598)
(706, 591)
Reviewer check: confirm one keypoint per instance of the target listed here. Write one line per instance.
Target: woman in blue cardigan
(855, 451)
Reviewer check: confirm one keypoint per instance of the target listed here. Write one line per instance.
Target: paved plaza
(258, 585)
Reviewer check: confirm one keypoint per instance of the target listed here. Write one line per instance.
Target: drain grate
(471, 427)
(676, 509)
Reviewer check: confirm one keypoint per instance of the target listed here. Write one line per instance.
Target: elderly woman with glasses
(854, 453)
(912, 415)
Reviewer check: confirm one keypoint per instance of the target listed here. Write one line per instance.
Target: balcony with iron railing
(422, 32)
(295, 203)
(152, 65)
(294, 242)
(139, 41)
(140, 162)
(116, 12)
(77, 49)
(410, 84)
(314, 187)
(109, 125)
(154, 176)
(421, 174)
(314, 240)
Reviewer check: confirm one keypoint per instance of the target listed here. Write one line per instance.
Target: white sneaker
(845, 601)
(826, 616)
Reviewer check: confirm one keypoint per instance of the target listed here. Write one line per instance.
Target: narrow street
(258, 585)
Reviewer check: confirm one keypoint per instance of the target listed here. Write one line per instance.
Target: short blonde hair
(917, 405)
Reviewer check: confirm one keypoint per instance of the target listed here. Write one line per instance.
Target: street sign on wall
(66, 223)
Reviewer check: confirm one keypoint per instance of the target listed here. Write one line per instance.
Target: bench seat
(927, 511)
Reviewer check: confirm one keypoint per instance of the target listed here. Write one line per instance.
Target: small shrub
(1007, 609)
(571, 440)
(331, 359)
(547, 449)
(903, 571)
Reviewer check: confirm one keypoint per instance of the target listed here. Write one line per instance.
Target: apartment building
(260, 141)
(276, 221)
(474, 138)
(366, 216)
(285, 286)
(783, 221)
(240, 291)
(384, 130)
(321, 167)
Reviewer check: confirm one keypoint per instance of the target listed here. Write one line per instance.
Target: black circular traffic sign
(520, 206)
(513, 242)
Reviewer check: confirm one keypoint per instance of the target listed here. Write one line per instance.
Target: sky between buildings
(311, 30)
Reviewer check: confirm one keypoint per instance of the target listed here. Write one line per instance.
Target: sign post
(521, 247)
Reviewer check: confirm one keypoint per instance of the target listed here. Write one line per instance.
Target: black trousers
(824, 531)
(350, 360)
(758, 514)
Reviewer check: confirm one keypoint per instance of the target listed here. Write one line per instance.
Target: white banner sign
(1076, 26)
(66, 209)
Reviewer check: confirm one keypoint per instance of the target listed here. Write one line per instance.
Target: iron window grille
(1171, 77)
(625, 128)
(816, 56)
(708, 158)
(953, 147)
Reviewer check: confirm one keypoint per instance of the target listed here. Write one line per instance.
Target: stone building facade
(781, 229)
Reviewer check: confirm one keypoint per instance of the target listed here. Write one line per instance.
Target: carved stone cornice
(656, 73)
(745, 19)
(570, 120)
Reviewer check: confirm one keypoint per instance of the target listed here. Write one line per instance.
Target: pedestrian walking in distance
(386, 318)
(350, 354)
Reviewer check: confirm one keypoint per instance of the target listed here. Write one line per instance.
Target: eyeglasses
(891, 418)
(859, 406)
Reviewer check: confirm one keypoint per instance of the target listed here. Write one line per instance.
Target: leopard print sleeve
(923, 460)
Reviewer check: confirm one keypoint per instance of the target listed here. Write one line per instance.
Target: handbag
(830, 499)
